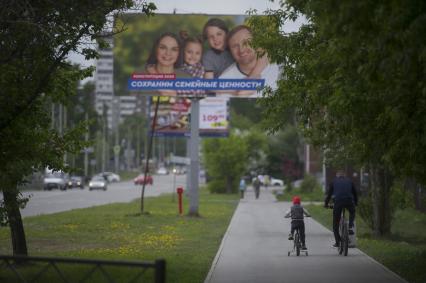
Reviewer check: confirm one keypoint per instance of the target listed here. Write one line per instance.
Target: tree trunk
(229, 185)
(381, 186)
(416, 189)
(19, 242)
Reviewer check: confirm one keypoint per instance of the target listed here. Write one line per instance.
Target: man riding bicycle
(345, 196)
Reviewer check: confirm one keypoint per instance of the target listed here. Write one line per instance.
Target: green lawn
(404, 252)
(117, 231)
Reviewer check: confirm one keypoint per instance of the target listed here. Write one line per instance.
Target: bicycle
(343, 232)
(297, 244)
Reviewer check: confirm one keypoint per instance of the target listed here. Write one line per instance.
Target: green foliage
(283, 159)
(257, 150)
(354, 76)
(365, 210)
(35, 41)
(309, 184)
(218, 186)
(226, 160)
(289, 187)
(315, 195)
(400, 197)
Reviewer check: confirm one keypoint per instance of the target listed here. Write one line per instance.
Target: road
(46, 202)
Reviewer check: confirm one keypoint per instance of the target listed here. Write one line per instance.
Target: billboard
(173, 116)
(189, 55)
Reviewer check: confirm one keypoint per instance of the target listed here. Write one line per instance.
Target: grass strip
(119, 232)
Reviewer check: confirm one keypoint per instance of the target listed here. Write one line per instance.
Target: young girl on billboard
(192, 52)
(217, 58)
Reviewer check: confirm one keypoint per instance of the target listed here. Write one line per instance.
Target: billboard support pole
(194, 142)
(154, 121)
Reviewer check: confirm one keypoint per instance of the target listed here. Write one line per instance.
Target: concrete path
(254, 249)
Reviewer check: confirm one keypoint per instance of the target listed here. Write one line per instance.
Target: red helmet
(296, 200)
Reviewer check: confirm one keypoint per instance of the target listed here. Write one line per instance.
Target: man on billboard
(247, 63)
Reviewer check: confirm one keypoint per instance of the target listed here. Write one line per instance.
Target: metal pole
(149, 151)
(194, 152)
(115, 123)
(174, 185)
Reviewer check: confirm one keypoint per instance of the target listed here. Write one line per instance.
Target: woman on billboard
(165, 58)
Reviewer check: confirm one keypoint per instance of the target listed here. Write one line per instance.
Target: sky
(214, 7)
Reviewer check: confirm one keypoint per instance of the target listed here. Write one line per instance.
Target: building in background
(116, 107)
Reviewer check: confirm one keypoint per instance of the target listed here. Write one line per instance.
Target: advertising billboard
(176, 55)
(173, 116)
(180, 56)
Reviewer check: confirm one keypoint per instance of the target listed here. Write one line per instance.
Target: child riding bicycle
(296, 212)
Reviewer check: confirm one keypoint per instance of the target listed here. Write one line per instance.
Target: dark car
(140, 180)
(76, 182)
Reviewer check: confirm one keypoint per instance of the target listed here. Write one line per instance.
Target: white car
(110, 176)
(162, 171)
(277, 182)
(98, 183)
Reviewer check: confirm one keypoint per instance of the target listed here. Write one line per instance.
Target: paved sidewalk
(254, 249)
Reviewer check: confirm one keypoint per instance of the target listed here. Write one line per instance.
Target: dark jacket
(343, 190)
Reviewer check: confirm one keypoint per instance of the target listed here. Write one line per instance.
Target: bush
(309, 184)
(217, 186)
(289, 187)
(365, 210)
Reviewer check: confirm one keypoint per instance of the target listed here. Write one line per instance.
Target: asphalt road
(46, 202)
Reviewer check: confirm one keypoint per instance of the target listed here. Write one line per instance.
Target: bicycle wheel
(297, 243)
(340, 249)
(345, 240)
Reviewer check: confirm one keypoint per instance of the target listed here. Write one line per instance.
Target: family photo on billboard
(207, 56)
(202, 47)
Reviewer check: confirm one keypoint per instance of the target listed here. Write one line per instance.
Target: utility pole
(115, 122)
(104, 136)
(64, 128)
(86, 153)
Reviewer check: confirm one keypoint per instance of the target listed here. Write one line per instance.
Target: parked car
(98, 183)
(162, 171)
(76, 182)
(277, 182)
(55, 180)
(140, 180)
(110, 177)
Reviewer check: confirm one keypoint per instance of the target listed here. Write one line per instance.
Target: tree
(354, 75)
(284, 158)
(225, 161)
(35, 40)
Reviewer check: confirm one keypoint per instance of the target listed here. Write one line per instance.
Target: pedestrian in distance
(296, 213)
(342, 189)
(242, 187)
(256, 186)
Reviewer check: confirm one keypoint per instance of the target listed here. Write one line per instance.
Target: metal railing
(16, 263)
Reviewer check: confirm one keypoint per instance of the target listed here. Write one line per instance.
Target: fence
(18, 265)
